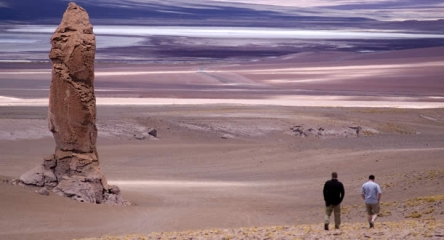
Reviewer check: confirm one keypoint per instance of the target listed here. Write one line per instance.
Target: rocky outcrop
(330, 132)
(73, 170)
(150, 133)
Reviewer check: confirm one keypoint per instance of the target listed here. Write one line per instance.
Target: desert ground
(240, 145)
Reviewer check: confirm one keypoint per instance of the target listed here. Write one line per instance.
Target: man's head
(371, 177)
(334, 175)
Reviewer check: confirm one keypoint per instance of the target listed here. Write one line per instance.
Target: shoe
(336, 227)
(326, 227)
(372, 225)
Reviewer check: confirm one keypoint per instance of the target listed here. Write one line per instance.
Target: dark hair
(371, 177)
(334, 175)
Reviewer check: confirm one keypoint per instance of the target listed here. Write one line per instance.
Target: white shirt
(371, 190)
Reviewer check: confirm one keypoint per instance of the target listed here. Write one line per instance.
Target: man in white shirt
(371, 193)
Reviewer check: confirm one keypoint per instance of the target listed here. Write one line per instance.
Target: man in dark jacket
(333, 196)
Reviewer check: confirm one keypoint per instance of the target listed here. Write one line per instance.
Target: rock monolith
(73, 170)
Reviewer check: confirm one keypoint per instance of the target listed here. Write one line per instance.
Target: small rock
(226, 136)
(139, 136)
(15, 182)
(33, 177)
(43, 191)
(152, 132)
(114, 189)
(51, 184)
(115, 200)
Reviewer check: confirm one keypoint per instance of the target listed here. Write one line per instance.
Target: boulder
(80, 189)
(38, 176)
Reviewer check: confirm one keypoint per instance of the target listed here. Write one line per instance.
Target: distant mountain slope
(50, 11)
(202, 13)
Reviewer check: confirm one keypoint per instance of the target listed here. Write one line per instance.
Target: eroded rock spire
(72, 104)
(73, 170)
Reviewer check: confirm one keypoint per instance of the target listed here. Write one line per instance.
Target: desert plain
(240, 144)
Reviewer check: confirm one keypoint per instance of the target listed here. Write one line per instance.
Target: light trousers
(337, 212)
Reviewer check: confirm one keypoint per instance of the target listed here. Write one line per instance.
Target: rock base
(76, 176)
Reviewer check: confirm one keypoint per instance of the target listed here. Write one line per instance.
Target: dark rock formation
(321, 132)
(73, 170)
(152, 132)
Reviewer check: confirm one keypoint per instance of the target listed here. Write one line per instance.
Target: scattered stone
(299, 131)
(15, 182)
(393, 230)
(152, 132)
(115, 200)
(321, 132)
(43, 191)
(358, 129)
(139, 136)
(226, 136)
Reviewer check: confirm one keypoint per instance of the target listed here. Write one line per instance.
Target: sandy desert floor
(240, 163)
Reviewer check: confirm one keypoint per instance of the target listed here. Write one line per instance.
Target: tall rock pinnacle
(73, 170)
(72, 104)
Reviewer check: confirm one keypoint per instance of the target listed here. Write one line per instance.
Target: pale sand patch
(355, 67)
(296, 101)
(112, 73)
(141, 73)
(25, 72)
(184, 184)
(337, 75)
(306, 70)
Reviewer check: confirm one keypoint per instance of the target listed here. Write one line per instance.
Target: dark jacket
(333, 192)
